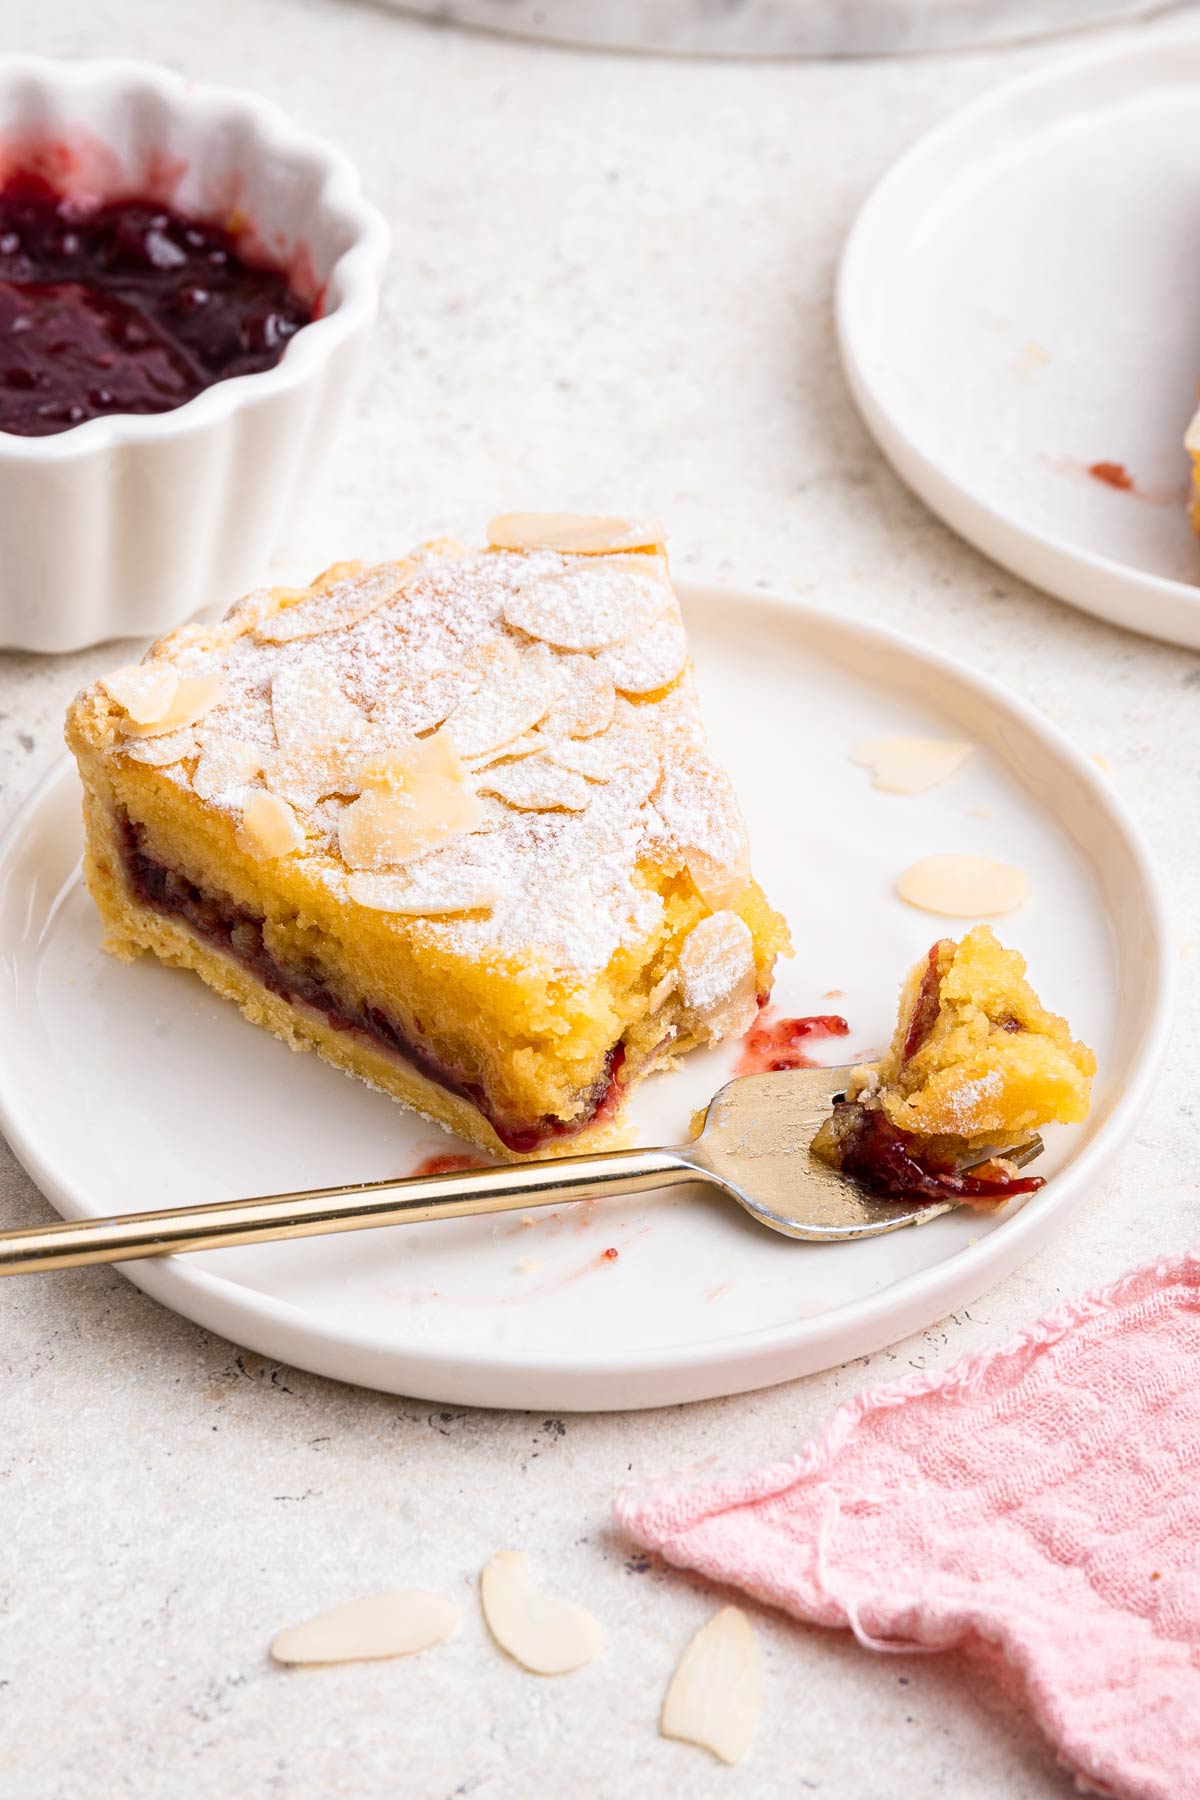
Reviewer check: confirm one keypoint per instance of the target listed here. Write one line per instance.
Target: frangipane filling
(455, 816)
(977, 1065)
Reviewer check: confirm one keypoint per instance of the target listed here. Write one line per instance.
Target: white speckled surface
(611, 285)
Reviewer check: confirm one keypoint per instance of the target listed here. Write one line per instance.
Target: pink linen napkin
(1040, 1501)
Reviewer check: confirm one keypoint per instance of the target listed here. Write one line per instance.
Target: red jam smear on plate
(774, 1044)
(126, 307)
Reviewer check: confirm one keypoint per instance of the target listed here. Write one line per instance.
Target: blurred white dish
(124, 1087)
(1019, 300)
(126, 525)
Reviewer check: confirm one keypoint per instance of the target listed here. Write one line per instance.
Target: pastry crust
(451, 855)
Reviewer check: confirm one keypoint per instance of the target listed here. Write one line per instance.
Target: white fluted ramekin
(128, 525)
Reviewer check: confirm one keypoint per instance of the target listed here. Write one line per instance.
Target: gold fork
(754, 1148)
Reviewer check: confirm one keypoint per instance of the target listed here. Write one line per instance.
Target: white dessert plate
(127, 1087)
(1019, 301)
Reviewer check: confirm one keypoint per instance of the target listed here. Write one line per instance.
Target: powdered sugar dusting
(560, 888)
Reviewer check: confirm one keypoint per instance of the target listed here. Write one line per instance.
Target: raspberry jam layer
(240, 935)
(881, 1158)
(124, 308)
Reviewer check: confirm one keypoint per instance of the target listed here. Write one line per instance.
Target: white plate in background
(1019, 299)
(125, 1086)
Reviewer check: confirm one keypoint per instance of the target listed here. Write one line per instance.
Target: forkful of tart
(949, 1116)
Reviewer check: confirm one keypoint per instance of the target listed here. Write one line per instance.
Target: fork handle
(415, 1201)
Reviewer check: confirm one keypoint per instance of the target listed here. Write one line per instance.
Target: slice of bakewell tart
(451, 821)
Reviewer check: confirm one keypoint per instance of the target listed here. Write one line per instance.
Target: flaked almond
(226, 766)
(432, 886)
(963, 887)
(577, 534)
(398, 1623)
(544, 1633)
(508, 704)
(600, 758)
(586, 705)
(304, 773)
(269, 827)
(662, 990)
(305, 698)
(720, 881)
(717, 975)
(145, 691)
(335, 608)
(194, 696)
(652, 660)
(161, 752)
(700, 813)
(434, 755)
(383, 829)
(910, 765)
(533, 743)
(715, 1696)
(590, 604)
(535, 784)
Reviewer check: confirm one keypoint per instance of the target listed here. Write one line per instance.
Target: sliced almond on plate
(715, 1696)
(398, 1623)
(652, 660)
(335, 608)
(145, 691)
(963, 887)
(269, 827)
(535, 784)
(545, 1634)
(381, 830)
(910, 765)
(591, 604)
(194, 696)
(579, 534)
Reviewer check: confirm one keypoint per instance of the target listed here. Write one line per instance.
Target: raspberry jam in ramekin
(125, 307)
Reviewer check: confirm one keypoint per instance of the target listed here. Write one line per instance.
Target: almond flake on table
(910, 765)
(544, 1633)
(715, 1696)
(578, 534)
(146, 691)
(397, 1623)
(590, 605)
(963, 887)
